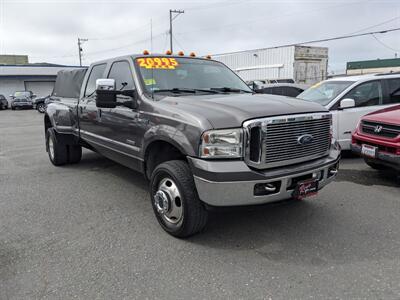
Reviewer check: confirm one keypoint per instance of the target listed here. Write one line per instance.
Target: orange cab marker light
(168, 52)
(208, 56)
(192, 54)
(145, 52)
(180, 53)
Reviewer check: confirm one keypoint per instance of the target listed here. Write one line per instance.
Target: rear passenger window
(366, 94)
(394, 91)
(96, 73)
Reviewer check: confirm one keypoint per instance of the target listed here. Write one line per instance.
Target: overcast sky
(47, 31)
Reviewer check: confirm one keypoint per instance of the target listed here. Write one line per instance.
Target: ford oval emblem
(305, 139)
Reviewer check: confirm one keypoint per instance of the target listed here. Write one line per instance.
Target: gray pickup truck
(200, 135)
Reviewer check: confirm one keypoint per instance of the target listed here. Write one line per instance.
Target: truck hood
(390, 115)
(231, 110)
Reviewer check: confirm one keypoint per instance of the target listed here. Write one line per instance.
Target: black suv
(3, 102)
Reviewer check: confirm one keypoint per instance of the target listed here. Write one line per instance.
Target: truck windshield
(325, 91)
(188, 75)
(22, 94)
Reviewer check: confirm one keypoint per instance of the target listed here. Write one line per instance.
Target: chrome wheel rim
(168, 202)
(51, 148)
(41, 108)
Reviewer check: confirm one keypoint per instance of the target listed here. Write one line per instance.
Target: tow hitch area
(306, 189)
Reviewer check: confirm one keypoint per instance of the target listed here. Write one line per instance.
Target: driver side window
(121, 72)
(366, 94)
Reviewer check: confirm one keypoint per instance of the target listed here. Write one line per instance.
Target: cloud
(48, 30)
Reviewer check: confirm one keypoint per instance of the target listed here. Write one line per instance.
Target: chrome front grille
(286, 140)
(380, 129)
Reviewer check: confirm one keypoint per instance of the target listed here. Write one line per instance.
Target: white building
(38, 78)
(298, 63)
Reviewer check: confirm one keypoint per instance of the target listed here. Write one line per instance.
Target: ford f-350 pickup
(199, 134)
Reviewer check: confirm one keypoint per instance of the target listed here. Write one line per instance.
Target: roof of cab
(146, 55)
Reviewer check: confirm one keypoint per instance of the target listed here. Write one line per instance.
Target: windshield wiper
(183, 90)
(230, 90)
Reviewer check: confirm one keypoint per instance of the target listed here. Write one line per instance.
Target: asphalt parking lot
(87, 231)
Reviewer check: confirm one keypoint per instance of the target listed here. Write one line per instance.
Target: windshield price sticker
(167, 63)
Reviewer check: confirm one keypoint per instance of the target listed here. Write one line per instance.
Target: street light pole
(171, 12)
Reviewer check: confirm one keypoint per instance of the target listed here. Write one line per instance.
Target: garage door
(40, 88)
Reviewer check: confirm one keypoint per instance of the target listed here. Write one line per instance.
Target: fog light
(262, 189)
(332, 171)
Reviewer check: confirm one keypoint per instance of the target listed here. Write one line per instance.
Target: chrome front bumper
(232, 183)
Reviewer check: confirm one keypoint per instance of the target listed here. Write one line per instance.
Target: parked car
(40, 103)
(3, 102)
(197, 132)
(350, 98)
(20, 102)
(282, 89)
(23, 94)
(377, 139)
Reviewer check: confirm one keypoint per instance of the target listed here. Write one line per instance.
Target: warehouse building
(17, 74)
(373, 66)
(298, 64)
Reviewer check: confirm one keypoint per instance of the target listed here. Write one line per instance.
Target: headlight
(226, 143)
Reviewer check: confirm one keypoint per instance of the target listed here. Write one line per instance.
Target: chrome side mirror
(106, 96)
(347, 103)
(105, 84)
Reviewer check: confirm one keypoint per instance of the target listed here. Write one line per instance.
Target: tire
(41, 108)
(74, 154)
(57, 151)
(13, 108)
(173, 179)
(375, 165)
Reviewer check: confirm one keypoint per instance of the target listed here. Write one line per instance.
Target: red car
(377, 138)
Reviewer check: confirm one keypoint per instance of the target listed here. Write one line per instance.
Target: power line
(124, 46)
(321, 40)
(179, 44)
(263, 18)
(383, 44)
(216, 5)
(376, 25)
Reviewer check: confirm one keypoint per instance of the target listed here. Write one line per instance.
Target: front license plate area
(306, 189)
(368, 150)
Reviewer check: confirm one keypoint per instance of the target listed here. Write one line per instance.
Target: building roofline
(267, 48)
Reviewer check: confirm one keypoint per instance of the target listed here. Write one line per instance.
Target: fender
(63, 118)
(171, 135)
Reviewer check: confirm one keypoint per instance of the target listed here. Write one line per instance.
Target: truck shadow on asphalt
(309, 233)
(320, 231)
(369, 178)
(94, 162)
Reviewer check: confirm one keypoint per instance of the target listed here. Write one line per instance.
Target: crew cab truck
(200, 135)
(377, 139)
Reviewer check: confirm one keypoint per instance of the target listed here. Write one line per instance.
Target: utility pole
(171, 12)
(151, 35)
(80, 42)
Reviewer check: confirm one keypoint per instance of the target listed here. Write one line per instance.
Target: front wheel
(175, 201)
(41, 108)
